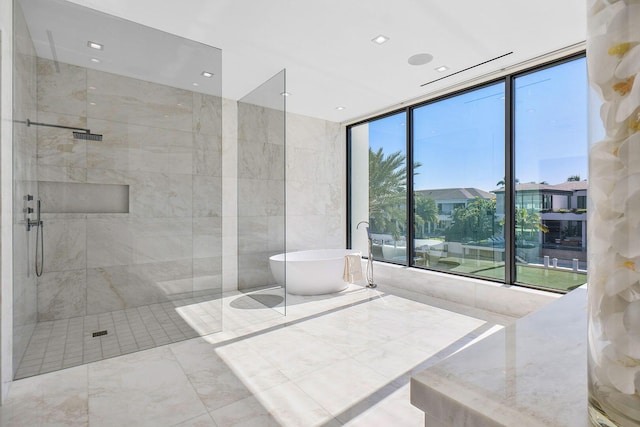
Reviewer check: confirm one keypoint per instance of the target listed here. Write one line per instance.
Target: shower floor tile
(70, 342)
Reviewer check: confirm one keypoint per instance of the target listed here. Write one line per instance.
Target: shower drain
(99, 333)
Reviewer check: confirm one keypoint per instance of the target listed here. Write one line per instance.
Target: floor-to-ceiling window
(550, 130)
(463, 220)
(383, 172)
(458, 155)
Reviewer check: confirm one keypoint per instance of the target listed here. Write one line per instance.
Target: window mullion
(410, 204)
(509, 185)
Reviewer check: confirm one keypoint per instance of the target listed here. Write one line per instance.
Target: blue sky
(460, 140)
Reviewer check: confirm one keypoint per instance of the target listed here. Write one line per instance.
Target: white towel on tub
(352, 268)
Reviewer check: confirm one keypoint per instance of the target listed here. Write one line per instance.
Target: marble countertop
(531, 373)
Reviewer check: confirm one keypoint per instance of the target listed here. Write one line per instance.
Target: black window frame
(509, 193)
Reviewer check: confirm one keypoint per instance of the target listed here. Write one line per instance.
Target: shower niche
(117, 132)
(79, 198)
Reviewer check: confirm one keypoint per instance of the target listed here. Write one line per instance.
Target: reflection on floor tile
(341, 359)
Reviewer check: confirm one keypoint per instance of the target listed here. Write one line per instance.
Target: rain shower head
(87, 136)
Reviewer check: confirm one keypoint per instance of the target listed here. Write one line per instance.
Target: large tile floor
(343, 359)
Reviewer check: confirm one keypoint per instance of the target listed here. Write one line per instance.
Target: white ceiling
(326, 45)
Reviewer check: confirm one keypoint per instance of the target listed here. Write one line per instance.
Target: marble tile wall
(314, 200)
(25, 182)
(230, 195)
(512, 301)
(166, 145)
(261, 192)
(316, 177)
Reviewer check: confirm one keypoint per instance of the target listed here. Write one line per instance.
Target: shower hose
(39, 249)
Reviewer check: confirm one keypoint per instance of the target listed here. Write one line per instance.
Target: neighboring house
(568, 224)
(562, 209)
(449, 199)
(536, 197)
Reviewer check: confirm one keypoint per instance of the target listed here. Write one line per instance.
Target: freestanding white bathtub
(313, 272)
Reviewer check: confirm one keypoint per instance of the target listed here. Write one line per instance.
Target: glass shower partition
(261, 193)
(117, 187)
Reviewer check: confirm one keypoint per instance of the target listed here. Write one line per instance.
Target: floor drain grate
(100, 333)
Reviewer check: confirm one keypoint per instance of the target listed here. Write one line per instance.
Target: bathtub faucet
(367, 228)
(370, 283)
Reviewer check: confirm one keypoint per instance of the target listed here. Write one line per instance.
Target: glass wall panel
(458, 154)
(261, 194)
(117, 187)
(551, 176)
(379, 191)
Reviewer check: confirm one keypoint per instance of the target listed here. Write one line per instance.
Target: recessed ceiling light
(420, 59)
(340, 107)
(195, 84)
(92, 103)
(442, 69)
(96, 60)
(285, 94)
(207, 74)
(92, 88)
(94, 45)
(380, 39)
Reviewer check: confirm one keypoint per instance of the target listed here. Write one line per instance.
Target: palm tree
(387, 191)
(527, 220)
(425, 211)
(502, 182)
(476, 221)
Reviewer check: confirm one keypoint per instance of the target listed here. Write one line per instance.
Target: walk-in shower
(126, 253)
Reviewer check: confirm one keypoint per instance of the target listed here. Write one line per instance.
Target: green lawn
(547, 278)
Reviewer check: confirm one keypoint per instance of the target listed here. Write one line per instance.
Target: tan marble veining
(24, 164)
(207, 155)
(115, 383)
(62, 294)
(127, 100)
(207, 114)
(152, 150)
(57, 147)
(55, 399)
(207, 201)
(342, 359)
(62, 88)
(61, 173)
(532, 373)
(65, 245)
